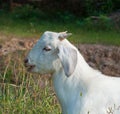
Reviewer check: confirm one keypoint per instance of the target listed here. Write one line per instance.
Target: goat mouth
(30, 68)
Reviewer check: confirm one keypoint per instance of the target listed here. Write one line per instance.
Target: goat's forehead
(49, 38)
(50, 34)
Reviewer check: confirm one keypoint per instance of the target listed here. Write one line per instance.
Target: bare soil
(101, 57)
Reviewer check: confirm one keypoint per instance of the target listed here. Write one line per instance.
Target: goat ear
(68, 57)
(63, 35)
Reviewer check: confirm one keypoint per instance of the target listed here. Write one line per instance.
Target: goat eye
(46, 48)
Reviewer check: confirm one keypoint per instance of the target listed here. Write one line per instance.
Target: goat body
(87, 91)
(80, 89)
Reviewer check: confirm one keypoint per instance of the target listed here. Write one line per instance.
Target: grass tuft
(22, 92)
(84, 31)
(25, 93)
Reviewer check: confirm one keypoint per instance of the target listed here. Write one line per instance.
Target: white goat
(79, 88)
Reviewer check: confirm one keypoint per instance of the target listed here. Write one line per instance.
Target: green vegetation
(23, 93)
(81, 8)
(31, 24)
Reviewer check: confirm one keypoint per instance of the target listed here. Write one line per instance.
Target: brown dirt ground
(101, 57)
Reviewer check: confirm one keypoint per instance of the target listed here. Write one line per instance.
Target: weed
(22, 93)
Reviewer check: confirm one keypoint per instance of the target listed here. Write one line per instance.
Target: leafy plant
(97, 7)
(101, 22)
(27, 12)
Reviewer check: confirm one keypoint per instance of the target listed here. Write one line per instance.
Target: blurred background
(79, 8)
(95, 28)
(30, 18)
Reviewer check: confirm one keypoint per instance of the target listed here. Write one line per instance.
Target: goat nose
(26, 61)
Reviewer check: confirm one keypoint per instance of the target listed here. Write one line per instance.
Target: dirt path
(104, 58)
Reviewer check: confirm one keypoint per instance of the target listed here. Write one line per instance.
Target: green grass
(21, 92)
(33, 28)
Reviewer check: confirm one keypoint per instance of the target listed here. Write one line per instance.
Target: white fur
(80, 89)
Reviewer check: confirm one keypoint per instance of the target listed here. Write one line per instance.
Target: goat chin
(79, 88)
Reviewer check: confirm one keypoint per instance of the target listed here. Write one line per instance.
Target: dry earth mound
(101, 57)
